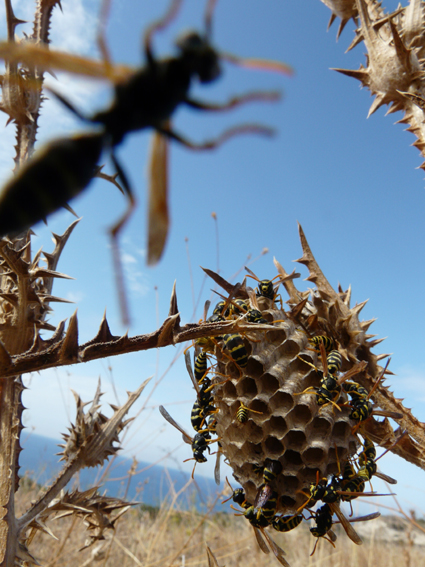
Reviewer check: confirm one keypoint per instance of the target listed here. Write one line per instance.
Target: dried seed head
(288, 432)
(291, 428)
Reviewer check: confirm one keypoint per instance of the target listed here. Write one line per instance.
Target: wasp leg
(114, 230)
(226, 135)
(69, 105)
(160, 24)
(235, 101)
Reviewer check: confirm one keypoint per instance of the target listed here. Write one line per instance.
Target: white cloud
(75, 296)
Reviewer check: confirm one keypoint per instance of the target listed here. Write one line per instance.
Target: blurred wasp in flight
(147, 98)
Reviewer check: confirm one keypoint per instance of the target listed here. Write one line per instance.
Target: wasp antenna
(217, 240)
(258, 64)
(101, 41)
(391, 447)
(208, 18)
(159, 25)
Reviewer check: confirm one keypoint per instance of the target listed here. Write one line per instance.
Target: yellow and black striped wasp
(287, 523)
(259, 518)
(323, 528)
(323, 518)
(329, 493)
(266, 288)
(327, 342)
(204, 405)
(203, 409)
(368, 458)
(330, 385)
(271, 470)
(243, 413)
(361, 404)
(200, 442)
(235, 347)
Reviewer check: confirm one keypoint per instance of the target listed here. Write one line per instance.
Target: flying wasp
(147, 98)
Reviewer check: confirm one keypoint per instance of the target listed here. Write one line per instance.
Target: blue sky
(351, 182)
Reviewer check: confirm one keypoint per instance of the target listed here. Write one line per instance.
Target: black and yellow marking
(201, 366)
(60, 171)
(286, 523)
(334, 362)
(318, 340)
(236, 349)
(323, 519)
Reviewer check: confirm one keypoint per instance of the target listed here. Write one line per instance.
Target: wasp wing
(385, 477)
(366, 518)
(206, 307)
(212, 561)
(217, 466)
(263, 496)
(48, 59)
(186, 437)
(260, 540)
(253, 299)
(349, 530)
(278, 551)
(158, 218)
(357, 368)
(392, 414)
(324, 359)
(190, 371)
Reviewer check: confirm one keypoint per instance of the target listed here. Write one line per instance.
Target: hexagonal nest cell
(291, 427)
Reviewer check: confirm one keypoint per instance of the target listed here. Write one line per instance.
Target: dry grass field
(167, 537)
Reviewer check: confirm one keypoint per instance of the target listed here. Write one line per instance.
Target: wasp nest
(268, 414)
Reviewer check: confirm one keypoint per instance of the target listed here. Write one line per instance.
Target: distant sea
(150, 487)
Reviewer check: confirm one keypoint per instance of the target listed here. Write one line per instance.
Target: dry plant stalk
(25, 299)
(395, 44)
